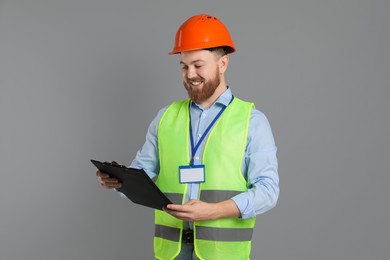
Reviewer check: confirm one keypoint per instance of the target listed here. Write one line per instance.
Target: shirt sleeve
(260, 167)
(147, 158)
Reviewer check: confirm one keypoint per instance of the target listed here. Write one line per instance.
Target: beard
(199, 95)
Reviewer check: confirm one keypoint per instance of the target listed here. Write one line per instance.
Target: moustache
(197, 79)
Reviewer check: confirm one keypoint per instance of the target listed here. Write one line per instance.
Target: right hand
(107, 182)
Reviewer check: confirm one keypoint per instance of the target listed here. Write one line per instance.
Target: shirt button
(196, 157)
(199, 135)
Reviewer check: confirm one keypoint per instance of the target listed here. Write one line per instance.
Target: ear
(223, 63)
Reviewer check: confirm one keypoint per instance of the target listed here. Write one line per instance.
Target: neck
(217, 93)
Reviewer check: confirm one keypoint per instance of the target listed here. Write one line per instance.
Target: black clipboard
(136, 184)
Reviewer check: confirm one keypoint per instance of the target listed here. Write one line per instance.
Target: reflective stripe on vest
(224, 234)
(223, 154)
(176, 198)
(206, 233)
(213, 196)
(168, 233)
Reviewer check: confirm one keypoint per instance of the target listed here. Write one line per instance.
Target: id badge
(195, 174)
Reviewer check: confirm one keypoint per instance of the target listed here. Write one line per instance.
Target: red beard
(200, 95)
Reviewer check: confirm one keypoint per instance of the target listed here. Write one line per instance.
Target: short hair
(219, 51)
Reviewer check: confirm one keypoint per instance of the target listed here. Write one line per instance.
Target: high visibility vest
(228, 238)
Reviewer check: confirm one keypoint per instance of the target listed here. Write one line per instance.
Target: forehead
(189, 57)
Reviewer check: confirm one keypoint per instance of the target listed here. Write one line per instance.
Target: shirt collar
(224, 99)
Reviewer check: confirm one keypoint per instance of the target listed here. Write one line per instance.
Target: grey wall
(82, 80)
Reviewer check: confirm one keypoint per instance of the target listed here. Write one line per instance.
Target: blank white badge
(195, 174)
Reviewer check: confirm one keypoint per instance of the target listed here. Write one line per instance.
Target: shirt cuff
(120, 194)
(242, 201)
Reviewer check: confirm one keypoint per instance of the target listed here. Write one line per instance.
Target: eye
(198, 66)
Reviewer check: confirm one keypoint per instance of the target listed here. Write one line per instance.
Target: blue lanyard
(194, 147)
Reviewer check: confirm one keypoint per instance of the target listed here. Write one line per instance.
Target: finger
(115, 186)
(170, 211)
(180, 215)
(176, 207)
(107, 181)
(110, 180)
(111, 185)
(102, 174)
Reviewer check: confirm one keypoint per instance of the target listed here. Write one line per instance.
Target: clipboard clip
(114, 163)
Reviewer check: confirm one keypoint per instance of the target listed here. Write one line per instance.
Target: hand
(193, 210)
(196, 210)
(107, 182)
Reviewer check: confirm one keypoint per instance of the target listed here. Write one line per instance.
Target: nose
(191, 73)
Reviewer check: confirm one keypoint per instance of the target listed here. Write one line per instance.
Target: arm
(261, 169)
(147, 157)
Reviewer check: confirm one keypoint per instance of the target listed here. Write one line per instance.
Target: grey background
(82, 80)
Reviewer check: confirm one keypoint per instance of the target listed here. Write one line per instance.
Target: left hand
(196, 210)
(193, 210)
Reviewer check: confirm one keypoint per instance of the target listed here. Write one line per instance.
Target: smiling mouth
(195, 83)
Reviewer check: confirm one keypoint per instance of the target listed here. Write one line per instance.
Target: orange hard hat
(202, 31)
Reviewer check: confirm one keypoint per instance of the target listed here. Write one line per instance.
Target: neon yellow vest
(228, 238)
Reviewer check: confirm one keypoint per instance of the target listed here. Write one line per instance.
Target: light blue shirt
(259, 165)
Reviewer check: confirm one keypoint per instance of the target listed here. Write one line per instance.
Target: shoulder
(258, 116)
(179, 103)
(255, 114)
(174, 107)
(173, 104)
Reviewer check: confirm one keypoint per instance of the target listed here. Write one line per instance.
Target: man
(213, 155)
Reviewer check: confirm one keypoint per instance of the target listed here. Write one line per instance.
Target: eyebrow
(192, 62)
